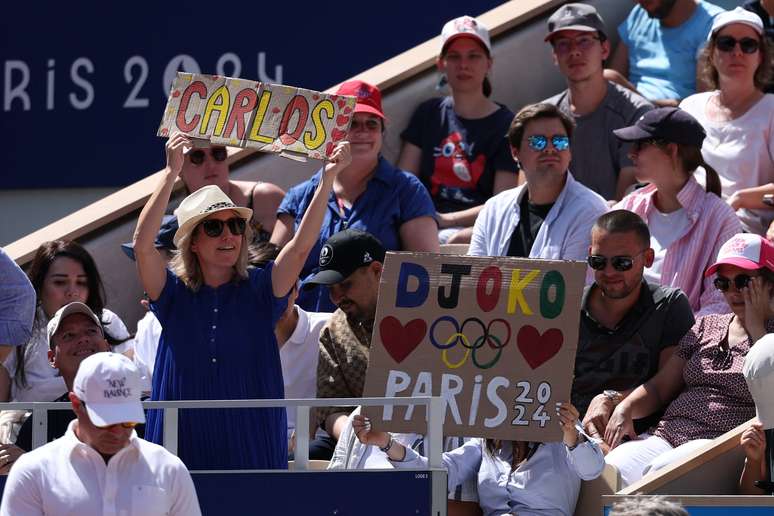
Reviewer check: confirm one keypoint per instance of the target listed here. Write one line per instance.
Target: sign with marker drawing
(494, 336)
(290, 121)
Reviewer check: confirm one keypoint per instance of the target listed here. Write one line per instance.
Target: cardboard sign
(269, 117)
(495, 337)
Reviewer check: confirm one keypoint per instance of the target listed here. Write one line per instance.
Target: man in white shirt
(550, 216)
(100, 466)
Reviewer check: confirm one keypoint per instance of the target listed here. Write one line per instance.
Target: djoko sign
(289, 121)
(495, 337)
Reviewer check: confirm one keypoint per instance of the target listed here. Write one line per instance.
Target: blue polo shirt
(391, 198)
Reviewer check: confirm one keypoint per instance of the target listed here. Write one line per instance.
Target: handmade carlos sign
(495, 337)
(268, 117)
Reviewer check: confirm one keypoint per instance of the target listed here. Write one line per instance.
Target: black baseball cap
(581, 17)
(671, 124)
(342, 254)
(163, 238)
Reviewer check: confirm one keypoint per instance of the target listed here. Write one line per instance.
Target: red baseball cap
(369, 98)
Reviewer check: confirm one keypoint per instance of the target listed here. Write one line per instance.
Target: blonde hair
(185, 264)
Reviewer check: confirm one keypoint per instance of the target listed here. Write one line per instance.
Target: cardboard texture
(290, 121)
(495, 337)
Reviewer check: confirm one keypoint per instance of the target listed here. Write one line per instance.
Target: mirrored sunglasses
(619, 263)
(723, 284)
(538, 142)
(198, 156)
(728, 43)
(214, 227)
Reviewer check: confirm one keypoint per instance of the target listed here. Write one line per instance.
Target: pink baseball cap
(745, 250)
(369, 98)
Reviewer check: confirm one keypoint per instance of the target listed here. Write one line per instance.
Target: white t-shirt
(43, 381)
(299, 357)
(665, 228)
(741, 150)
(146, 343)
(142, 478)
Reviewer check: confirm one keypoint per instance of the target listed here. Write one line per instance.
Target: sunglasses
(538, 142)
(619, 263)
(214, 227)
(728, 44)
(638, 145)
(565, 45)
(723, 284)
(197, 156)
(370, 125)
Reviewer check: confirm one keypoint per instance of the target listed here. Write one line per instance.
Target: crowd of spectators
(664, 190)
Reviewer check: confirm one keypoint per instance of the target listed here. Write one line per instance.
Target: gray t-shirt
(597, 155)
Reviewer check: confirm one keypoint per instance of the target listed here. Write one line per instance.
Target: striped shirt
(711, 223)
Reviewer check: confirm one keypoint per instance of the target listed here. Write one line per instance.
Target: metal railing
(433, 435)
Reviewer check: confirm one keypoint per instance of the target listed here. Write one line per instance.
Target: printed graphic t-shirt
(459, 156)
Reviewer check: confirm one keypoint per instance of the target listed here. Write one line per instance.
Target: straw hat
(201, 204)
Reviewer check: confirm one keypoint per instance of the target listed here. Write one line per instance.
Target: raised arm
(291, 259)
(150, 263)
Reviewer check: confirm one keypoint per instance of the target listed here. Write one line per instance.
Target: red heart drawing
(399, 340)
(287, 139)
(338, 135)
(275, 109)
(341, 103)
(347, 110)
(329, 149)
(316, 97)
(538, 349)
(342, 120)
(176, 93)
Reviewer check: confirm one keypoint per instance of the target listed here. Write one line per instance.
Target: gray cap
(581, 17)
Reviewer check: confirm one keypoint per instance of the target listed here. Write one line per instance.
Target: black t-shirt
(627, 356)
(531, 217)
(459, 156)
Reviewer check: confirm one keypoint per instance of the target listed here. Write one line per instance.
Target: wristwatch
(614, 396)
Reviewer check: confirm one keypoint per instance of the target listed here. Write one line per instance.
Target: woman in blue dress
(218, 319)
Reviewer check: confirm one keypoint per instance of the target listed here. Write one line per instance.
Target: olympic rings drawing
(458, 336)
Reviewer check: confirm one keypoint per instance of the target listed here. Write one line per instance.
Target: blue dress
(391, 198)
(219, 344)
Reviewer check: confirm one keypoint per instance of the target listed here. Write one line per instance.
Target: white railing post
(434, 437)
(170, 429)
(301, 453)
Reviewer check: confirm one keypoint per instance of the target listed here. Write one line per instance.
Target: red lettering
(194, 87)
(488, 300)
(243, 103)
(299, 104)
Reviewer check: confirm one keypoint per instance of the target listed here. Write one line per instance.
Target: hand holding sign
(175, 149)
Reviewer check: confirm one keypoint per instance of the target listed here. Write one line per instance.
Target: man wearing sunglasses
(580, 46)
(628, 327)
(100, 466)
(551, 214)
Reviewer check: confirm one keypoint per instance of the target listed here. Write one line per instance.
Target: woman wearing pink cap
(370, 194)
(702, 385)
(456, 145)
(738, 116)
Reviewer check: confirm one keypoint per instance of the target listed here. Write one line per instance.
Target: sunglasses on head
(214, 227)
(723, 284)
(619, 263)
(197, 156)
(728, 43)
(538, 142)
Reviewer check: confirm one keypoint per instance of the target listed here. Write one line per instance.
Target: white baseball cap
(109, 384)
(465, 26)
(738, 15)
(67, 310)
(758, 372)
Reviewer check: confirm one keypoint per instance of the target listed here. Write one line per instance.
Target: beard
(663, 9)
(618, 292)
